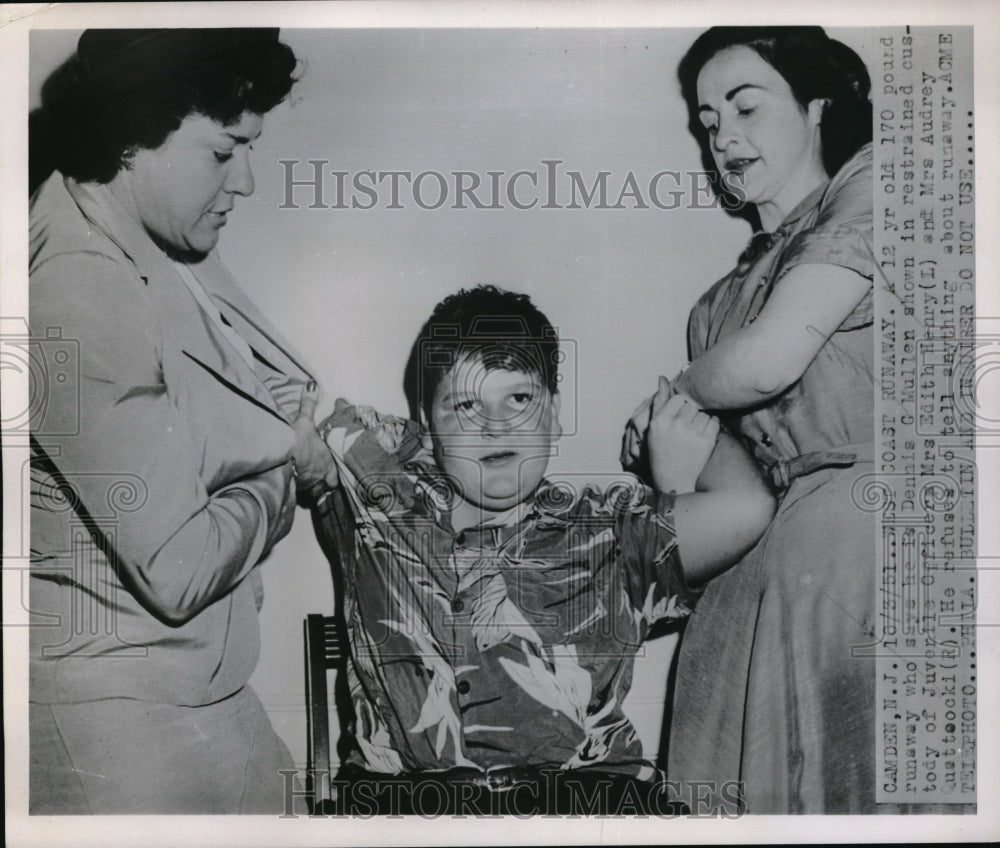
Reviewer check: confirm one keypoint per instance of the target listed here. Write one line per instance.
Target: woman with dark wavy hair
(172, 433)
(772, 687)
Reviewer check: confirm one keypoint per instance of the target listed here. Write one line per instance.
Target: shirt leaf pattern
(511, 643)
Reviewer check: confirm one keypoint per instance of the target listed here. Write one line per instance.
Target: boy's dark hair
(502, 328)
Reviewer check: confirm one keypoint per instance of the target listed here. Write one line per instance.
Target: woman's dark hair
(815, 66)
(502, 328)
(129, 89)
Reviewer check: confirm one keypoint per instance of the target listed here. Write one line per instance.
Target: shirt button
(463, 687)
(457, 605)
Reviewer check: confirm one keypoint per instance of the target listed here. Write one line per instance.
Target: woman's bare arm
(761, 360)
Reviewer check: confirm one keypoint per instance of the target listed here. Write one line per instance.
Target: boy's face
(492, 432)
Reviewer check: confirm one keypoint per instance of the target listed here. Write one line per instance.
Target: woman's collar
(800, 209)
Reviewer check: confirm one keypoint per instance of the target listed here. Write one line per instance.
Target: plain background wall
(351, 287)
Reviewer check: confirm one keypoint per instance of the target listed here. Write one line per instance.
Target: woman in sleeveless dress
(774, 687)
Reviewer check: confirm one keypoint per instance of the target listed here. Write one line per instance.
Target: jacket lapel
(182, 317)
(247, 319)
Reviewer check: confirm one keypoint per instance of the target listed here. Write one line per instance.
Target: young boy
(493, 616)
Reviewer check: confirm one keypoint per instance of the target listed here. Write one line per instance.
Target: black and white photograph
(475, 423)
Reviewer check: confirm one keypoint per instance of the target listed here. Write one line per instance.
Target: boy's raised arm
(723, 519)
(723, 505)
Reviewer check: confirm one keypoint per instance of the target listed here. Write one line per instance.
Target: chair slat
(324, 651)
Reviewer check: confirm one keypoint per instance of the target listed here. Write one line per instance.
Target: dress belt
(784, 471)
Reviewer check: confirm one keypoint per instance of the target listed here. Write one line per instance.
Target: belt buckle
(499, 780)
(779, 474)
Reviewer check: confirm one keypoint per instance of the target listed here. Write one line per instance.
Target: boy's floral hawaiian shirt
(506, 644)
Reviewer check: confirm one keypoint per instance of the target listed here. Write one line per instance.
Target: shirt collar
(762, 240)
(548, 501)
(803, 206)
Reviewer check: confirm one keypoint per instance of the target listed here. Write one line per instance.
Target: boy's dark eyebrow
(530, 381)
(729, 95)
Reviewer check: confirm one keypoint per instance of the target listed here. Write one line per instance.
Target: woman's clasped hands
(669, 432)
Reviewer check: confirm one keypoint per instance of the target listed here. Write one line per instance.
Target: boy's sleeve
(370, 442)
(648, 556)
(373, 448)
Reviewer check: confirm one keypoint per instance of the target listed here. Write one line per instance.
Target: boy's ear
(425, 431)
